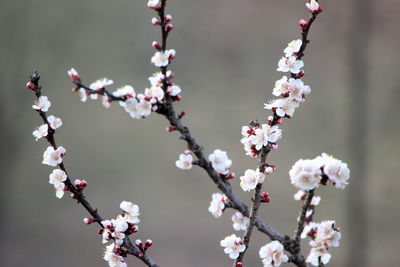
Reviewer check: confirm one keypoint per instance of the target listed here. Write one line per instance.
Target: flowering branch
(259, 139)
(53, 156)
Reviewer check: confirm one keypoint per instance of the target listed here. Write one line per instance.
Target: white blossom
(217, 204)
(57, 178)
(305, 174)
(220, 161)
(131, 212)
(154, 92)
(265, 134)
(283, 106)
(300, 195)
(293, 47)
(125, 91)
(157, 79)
(154, 4)
(290, 64)
(136, 109)
(54, 122)
(315, 201)
(240, 222)
(272, 254)
(41, 131)
(53, 157)
(113, 259)
(281, 87)
(297, 90)
(42, 104)
(326, 234)
(250, 179)
(232, 245)
(174, 90)
(161, 59)
(317, 253)
(308, 228)
(83, 94)
(313, 6)
(185, 161)
(338, 172)
(98, 85)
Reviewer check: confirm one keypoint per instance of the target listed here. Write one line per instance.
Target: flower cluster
(233, 245)
(272, 254)
(309, 174)
(217, 204)
(258, 136)
(323, 235)
(116, 230)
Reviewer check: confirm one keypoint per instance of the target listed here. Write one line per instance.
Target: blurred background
(227, 52)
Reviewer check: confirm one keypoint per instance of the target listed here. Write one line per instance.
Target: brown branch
(78, 193)
(302, 218)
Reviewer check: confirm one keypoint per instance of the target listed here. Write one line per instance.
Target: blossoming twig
(66, 183)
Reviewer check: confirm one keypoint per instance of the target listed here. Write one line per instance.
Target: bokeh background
(227, 52)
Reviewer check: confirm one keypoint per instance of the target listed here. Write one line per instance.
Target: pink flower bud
(265, 197)
(88, 221)
(73, 196)
(155, 21)
(75, 89)
(303, 24)
(140, 254)
(300, 74)
(270, 119)
(230, 176)
(274, 146)
(30, 85)
(170, 129)
(168, 18)
(139, 244)
(156, 45)
(239, 264)
(148, 243)
(169, 27)
(100, 231)
(280, 121)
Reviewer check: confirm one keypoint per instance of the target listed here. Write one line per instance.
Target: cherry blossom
(162, 59)
(41, 131)
(131, 212)
(56, 178)
(240, 222)
(99, 85)
(53, 157)
(272, 254)
(154, 4)
(73, 74)
(185, 161)
(54, 122)
(314, 7)
(283, 107)
(136, 109)
(217, 204)
(113, 258)
(220, 161)
(297, 90)
(264, 135)
(232, 245)
(42, 104)
(293, 47)
(305, 174)
(290, 64)
(250, 179)
(281, 87)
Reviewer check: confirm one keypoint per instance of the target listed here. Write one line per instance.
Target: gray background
(227, 52)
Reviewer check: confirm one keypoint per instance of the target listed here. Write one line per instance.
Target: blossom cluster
(309, 174)
(116, 230)
(323, 235)
(233, 245)
(258, 136)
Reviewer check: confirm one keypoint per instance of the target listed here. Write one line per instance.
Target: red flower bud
(30, 85)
